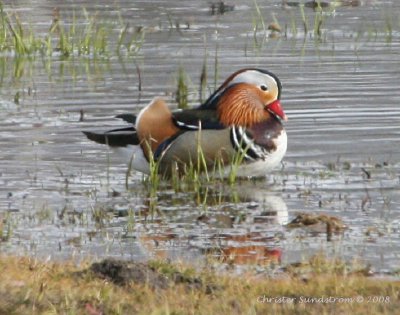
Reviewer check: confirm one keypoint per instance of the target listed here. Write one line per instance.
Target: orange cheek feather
(243, 105)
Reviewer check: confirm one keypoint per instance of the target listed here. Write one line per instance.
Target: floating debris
(318, 221)
(349, 3)
(309, 4)
(316, 4)
(220, 8)
(274, 27)
(290, 4)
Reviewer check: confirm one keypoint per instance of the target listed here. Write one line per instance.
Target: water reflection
(64, 197)
(240, 225)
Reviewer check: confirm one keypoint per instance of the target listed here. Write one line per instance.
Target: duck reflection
(240, 224)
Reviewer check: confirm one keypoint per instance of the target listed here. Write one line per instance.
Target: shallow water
(64, 196)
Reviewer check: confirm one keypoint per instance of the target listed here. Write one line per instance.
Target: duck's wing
(154, 125)
(194, 119)
(187, 121)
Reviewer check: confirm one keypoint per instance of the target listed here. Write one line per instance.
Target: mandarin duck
(240, 123)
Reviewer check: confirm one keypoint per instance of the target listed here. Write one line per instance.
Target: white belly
(134, 154)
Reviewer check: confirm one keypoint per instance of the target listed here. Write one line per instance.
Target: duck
(239, 127)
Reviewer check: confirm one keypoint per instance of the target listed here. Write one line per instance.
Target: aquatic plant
(258, 19)
(181, 94)
(216, 66)
(259, 26)
(130, 41)
(203, 79)
(91, 38)
(15, 37)
(388, 27)
(304, 20)
(5, 228)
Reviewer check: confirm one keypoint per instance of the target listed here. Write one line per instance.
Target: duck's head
(247, 97)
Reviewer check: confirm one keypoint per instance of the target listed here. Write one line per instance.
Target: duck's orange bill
(276, 108)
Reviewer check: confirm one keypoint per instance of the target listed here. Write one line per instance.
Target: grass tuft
(29, 286)
(181, 95)
(90, 37)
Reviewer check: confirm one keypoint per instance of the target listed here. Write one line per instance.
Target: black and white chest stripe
(245, 145)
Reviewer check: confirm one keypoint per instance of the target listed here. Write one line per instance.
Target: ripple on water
(63, 196)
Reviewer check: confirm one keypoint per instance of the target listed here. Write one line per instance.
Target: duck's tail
(120, 137)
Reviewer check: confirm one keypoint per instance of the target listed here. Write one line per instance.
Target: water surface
(64, 196)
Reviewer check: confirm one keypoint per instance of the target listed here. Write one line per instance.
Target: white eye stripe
(254, 77)
(249, 76)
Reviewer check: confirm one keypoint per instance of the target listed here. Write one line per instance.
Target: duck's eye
(264, 87)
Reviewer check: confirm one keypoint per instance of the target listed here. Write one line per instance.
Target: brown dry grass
(28, 286)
